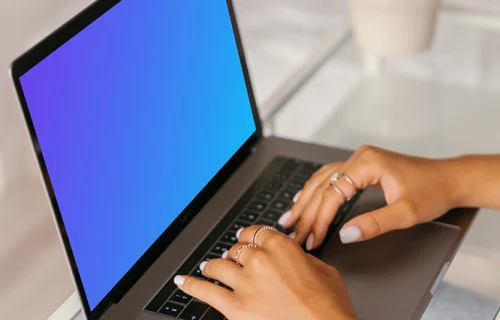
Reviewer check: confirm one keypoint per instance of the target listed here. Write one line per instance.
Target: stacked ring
(348, 179)
(333, 182)
(240, 250)
(259, 232)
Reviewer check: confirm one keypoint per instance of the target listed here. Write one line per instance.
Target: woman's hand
(276, 280)
(417, 190)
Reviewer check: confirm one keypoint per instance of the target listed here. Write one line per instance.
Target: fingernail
(179, 280)
(285, 217)
(310, 241)
(238, 233)
(296, 198)
(350, 234)
(224, 255)
(292, 235)
(202, 265)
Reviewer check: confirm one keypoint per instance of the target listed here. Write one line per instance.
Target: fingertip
(202, 265)
(297, 196)
(285, 218)
(350, 234)
(238, 233)
(179, 280)
(310, 242)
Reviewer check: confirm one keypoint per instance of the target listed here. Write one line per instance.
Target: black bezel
(39, 52)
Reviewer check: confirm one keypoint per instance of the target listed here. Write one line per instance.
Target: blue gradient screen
(134, 116)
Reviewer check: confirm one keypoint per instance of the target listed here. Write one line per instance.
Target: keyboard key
(311, 167)
(213, 314)
(209, 257)
(294, 186)
(287, 195)
(257, 206)
(290, 165)
(303, 175)
(171, 309)
(248, 216)
(217, 282)
(161, 297)
(237, 225)
(194, 311)
(273, 186)
(299, 180)
(229, 237)
(281, 176)
(180, 297)
(263, 222)
(272, 215)
(280, 205)
(220, 248)
(265, 196)
(197, 273)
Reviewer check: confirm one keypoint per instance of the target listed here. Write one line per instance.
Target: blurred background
(320, 74)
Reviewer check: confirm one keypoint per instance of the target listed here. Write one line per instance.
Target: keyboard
(263, 204)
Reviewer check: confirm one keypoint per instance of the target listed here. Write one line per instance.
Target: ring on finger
(333, 182)
(260, 231)
(340, 192)
(348, 179)
(240, 250)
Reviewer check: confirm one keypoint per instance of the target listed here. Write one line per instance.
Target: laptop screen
(134, 116)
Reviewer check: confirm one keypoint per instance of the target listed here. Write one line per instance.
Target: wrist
(458, 180)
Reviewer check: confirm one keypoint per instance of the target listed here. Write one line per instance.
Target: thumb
(398, 215)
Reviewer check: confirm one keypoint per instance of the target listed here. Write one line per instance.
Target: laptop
(147, 134)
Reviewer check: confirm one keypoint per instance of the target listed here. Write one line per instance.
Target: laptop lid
(139, 111)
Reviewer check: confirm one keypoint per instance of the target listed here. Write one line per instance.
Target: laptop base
(401, 279)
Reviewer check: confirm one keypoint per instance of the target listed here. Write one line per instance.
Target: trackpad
(387, 277)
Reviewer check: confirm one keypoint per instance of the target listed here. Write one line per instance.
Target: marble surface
(279, 35)
(437, 104)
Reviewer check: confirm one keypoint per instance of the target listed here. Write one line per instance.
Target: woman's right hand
(417, 190)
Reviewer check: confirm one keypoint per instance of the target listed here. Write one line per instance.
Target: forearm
(474, 181)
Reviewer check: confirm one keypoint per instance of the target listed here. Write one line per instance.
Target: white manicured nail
(310, 242)
(202, 265)
(296, 198)
(238, 233)
(292, 235)
(285, 217)
(350, 234)
(224, 255)
(179, 280)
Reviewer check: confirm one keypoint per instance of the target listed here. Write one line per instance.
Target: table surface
(436, 104)
(440, 103)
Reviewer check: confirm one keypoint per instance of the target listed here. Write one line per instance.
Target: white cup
(394, 27)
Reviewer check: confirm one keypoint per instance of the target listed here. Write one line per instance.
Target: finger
(249, 234)
(313, 176)
(318, 263)
(292, 216)
(239, 252)
(218, 297)
(365, 170)
(325, 168)
(223, 270)
(330, 204)
(304, 226)
(399, 215)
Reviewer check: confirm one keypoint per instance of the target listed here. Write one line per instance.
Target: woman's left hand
(276, 280)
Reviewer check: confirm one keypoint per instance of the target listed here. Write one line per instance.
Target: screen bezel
(43, 49)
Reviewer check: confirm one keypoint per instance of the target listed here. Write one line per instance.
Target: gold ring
(259, 231)
(240, 250)
(348, 179)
